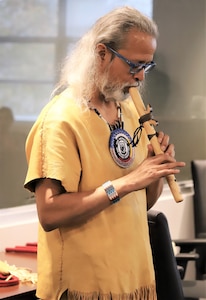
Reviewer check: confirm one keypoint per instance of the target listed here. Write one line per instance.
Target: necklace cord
(136, 136)
(119, 123)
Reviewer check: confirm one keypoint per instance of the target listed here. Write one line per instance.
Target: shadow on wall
(13, 164)
(157, 91)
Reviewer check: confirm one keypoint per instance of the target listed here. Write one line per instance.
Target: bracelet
(111, 192)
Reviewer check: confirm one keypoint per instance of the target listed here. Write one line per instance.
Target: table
(22, 291)
(194, 288)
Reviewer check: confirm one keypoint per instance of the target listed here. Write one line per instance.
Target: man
(93, 178)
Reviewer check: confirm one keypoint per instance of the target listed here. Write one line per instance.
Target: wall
(177, 86)
(13, 165)
(19, 225)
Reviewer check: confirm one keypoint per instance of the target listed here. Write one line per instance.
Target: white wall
(179, 215)
(19, 225)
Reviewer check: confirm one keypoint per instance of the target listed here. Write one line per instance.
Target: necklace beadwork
(120, 142)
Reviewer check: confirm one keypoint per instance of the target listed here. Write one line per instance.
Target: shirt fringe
(144, 293)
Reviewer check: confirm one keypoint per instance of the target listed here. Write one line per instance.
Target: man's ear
(101, 50)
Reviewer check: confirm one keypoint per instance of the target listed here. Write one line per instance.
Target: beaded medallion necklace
(120, 142)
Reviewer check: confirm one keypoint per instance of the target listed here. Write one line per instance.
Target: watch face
(120, 145)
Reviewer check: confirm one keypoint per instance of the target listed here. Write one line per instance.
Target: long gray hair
(80, 68)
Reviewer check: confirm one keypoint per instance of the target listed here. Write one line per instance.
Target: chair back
(168, 281)
(198, 169)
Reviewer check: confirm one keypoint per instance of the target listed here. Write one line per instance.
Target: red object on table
(21, 290)
(8, 280)
(29, 248)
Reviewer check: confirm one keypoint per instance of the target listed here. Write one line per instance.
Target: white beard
(114, 91)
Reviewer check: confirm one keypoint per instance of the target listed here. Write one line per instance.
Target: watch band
(111, 192)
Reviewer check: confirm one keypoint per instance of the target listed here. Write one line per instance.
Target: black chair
(168, 280)
(196, 248)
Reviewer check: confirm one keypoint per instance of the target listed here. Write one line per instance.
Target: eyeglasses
(134, 68)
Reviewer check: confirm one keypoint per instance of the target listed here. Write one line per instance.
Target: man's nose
(140, 76)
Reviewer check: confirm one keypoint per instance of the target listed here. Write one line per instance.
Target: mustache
(138, 84)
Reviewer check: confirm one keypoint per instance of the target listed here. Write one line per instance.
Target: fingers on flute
(166, 158)
(150, 150)
(163, 139)
(170, 150)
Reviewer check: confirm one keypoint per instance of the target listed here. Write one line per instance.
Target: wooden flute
(149, 128)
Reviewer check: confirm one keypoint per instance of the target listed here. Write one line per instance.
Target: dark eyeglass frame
(134, 68)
